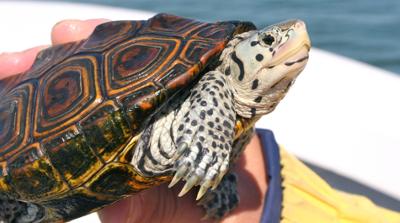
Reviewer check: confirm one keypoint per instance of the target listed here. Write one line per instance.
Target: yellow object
(307, 198)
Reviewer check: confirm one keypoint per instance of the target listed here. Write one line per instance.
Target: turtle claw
(203, 189)
(180, 173)
(189, 184)
(205, 217)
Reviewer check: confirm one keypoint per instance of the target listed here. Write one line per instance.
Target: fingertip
(18, 62)
(73, 30)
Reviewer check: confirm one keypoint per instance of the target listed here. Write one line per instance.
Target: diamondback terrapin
(137, 104)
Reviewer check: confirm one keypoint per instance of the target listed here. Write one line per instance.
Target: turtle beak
(296, 41)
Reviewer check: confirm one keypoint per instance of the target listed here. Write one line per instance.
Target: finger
(64, 31)
(18, 62)
(74, 30)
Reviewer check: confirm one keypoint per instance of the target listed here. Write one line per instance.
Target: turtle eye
(268, 39)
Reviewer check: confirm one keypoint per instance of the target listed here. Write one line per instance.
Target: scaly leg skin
(221, 201)
(204, 135)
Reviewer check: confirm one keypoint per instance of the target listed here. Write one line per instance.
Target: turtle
(138, 104)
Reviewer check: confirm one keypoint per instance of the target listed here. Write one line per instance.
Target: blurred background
(366, 30)
(341, 117)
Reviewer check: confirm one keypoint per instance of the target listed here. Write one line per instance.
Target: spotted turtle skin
(68, 125)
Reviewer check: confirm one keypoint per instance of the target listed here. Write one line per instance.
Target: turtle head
(263, 64)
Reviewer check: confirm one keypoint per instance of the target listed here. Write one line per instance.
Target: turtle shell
(67, 126)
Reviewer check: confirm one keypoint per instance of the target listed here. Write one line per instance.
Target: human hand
(158, 204)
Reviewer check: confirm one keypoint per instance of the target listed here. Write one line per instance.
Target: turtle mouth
(296, 61)
(289, 70)
(296, 55)
(295, 49)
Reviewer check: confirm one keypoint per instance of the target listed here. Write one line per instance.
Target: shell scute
(71, 155)
(15, 119)
(65, 94)
(32, 176)
(109, 34)
(106, 131)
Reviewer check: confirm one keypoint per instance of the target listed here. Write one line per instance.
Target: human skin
(158, 204)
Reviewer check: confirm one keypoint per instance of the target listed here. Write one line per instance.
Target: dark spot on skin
(213, 144)
(180, 138)
(222, 139)
(258, 99)
(211, 124)
(226, 105)
(203, 87)
(227, 124)
(202, 115)
(210, 132)
(193, 123)
(201, 138)
(203, 103)
(220, 83)
(208, 89)
(201, 128)
(270, 67)
(222, 112)
(253, 112)
(259, 57)
(271, 49)
(226, 145)
(221, 95)
(216, 119)
(215, 102)
(240, 65)
(226, 93)
(188, 131)
(210, 112)
(210, 78)
(226, 133)
(273, 53)
(212, 93)
(187, 120)
(219, 128)
(254, 85)
(231, 117)
(253, 43)
(239, 38)
(228, 71)
(198, 144)
(180, 128)
(215, 87)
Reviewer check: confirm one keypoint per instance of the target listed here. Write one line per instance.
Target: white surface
(27, 24)
(340, 114)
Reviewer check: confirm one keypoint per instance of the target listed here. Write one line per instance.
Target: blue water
(367, 30)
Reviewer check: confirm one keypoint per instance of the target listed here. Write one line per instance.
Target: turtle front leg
(204, 135)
